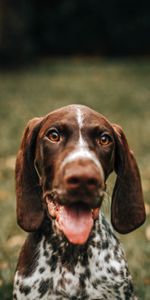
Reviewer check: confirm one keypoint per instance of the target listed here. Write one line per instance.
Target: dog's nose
(82, 175)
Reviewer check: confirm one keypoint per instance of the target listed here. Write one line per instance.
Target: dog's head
(63, 163)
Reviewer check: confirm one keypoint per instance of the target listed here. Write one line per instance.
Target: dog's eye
(53, 135)
(105, 139)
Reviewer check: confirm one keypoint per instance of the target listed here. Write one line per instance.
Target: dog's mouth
(75, 221)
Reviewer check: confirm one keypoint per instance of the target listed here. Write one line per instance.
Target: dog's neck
(58, 242)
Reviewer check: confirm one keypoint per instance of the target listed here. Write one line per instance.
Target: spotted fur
(97, 270)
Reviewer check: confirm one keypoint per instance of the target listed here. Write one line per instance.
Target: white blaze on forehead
(80, 118)
(81, 150)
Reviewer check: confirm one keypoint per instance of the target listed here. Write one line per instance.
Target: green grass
(118, 89)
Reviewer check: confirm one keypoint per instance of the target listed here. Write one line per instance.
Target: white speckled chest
(97, 270)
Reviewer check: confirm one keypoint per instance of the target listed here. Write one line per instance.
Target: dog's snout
(82, 175)
(77, 181)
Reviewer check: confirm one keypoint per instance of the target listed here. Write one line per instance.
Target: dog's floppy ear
(28, 191)
(127, 208)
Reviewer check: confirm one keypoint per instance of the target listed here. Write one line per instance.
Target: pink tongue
(75, 222)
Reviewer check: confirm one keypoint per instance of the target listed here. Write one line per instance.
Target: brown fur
(127, 201)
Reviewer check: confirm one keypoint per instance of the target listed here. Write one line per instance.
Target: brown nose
(82, 175)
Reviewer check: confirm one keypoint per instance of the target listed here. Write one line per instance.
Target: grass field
(118, 89)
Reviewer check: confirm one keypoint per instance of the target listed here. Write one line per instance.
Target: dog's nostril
(92, 182)
(73, 180)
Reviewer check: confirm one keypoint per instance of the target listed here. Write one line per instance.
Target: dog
(62, 167)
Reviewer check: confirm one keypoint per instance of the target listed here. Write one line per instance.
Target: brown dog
(62, 166)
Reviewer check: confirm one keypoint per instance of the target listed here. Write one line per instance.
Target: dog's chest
(95, 271)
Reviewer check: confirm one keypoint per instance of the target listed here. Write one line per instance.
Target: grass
(118, 89)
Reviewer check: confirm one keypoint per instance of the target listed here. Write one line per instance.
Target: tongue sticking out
(75, 222)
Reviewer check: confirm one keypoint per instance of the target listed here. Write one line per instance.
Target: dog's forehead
(76, 116)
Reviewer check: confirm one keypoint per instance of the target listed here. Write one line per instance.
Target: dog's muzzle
(75, 200)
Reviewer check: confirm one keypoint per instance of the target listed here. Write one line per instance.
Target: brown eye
(53, 136)
(105, 139)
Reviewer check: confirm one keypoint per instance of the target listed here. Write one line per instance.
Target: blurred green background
(119, 89)
(29, 28)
